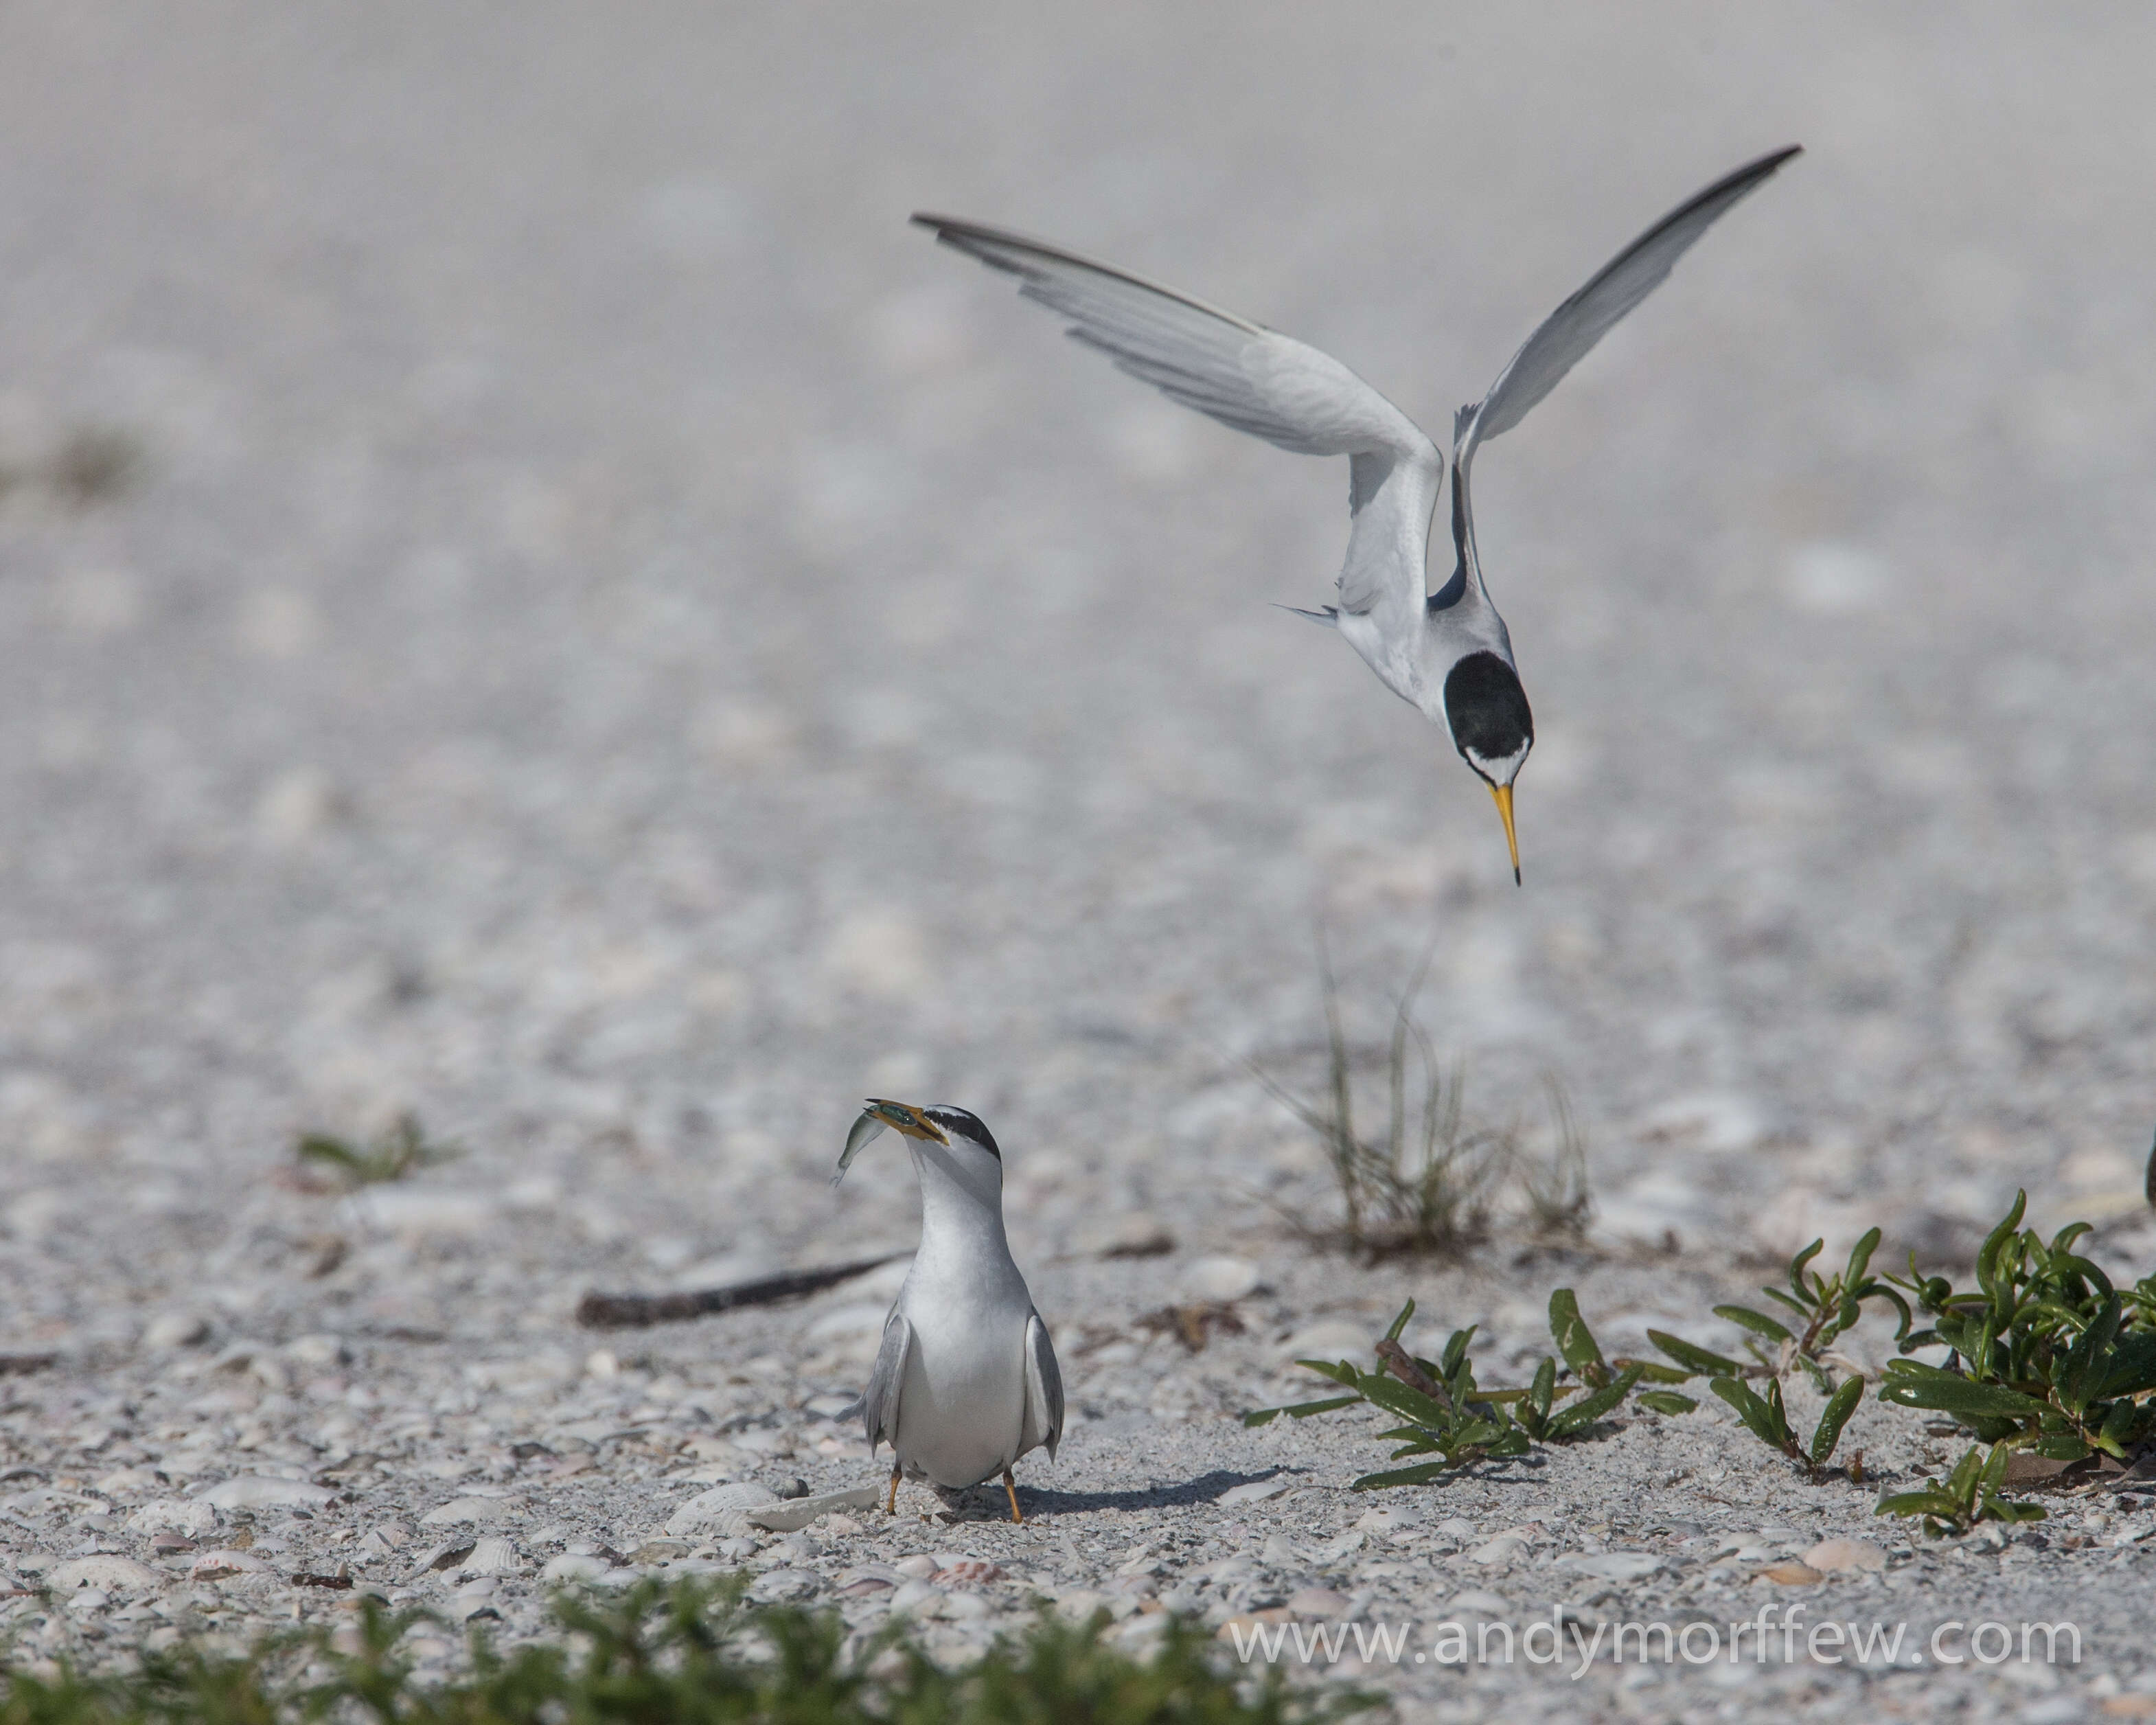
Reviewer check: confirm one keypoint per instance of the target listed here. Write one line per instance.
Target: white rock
(103, 1572)
(1218, 1278)
(1133, 1236)
(1256, 1491)
(918, 1567)
(1318, 1602)
(173, 1515)
(1331, 1338)
(1481, 1599)
(259, 1491)
(571, 1567)
(1503, 1549)
(1612, 1565)
(176, 1329)
(1830, 1555)
(1078, 1604)
(721, 1511)
(87, 1599)
(799, 1512)
(319, 1350)
(917, 1595)
(425, 1209)
(476, 1511)
(786, 1584)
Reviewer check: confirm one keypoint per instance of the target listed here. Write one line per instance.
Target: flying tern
(1448, 653)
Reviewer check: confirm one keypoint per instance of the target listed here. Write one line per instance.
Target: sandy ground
(610, 640)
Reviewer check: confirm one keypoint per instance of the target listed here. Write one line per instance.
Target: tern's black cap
(957, 1120)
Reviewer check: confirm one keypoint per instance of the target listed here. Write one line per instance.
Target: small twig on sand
(624, 1311)
(1401, 1363)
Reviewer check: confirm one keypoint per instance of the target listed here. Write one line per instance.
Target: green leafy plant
(396, 1154)
(1821, 1306)
(1962, 1498)
(1448, 1415)
(689, 1655)
(1769, 1420)
(2044, 1353)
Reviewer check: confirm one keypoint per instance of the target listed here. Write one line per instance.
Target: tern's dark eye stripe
(958, 1120)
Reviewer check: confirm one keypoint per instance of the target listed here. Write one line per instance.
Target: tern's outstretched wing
(1043, 1422)
(1589, 314)
(1253, 379)
(879, 1400)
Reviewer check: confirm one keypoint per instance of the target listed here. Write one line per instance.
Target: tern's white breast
(963, 1401)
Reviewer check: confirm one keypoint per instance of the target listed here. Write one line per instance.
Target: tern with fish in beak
(966, 1380)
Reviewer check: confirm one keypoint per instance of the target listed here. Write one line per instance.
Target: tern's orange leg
(1010, 1487)
(891, 1505)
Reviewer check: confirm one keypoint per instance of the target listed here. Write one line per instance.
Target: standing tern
(966, 1381)
(1447, 653)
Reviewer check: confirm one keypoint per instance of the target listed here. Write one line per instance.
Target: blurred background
(529, 594)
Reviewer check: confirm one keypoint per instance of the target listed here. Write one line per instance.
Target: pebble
(1256, 1491)
(1220, 1279)
(176, 1329)
(1481, 1600)
(1136, 1235)
(1789, 1572)
(1613, 1565)
(1831, 1556)
(480, 1511)
(263, 1492)
(101, 1573)
(1076, 1604)
(914, 1593)
(1332, 1338)
(1318, 1602)
(1505, 1548)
